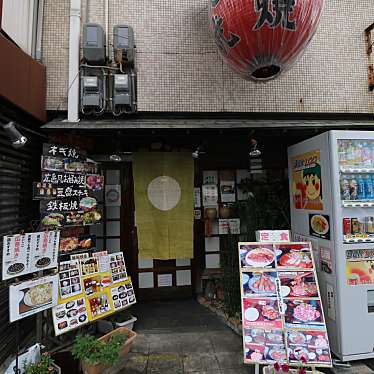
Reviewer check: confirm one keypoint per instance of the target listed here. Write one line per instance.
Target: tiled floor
(184, 337)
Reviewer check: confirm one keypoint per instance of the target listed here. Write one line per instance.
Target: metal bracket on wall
(369, 52)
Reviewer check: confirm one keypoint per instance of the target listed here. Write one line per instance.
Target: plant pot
(104, 326)
(128, 324)
(66, 362)
(125, 349)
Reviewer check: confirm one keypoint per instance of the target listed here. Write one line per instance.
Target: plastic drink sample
(361, 193)
(345, 189)
(353, 189)
(346, 226)
(342, 152)
(366, 155)
(369, 187)
(355, 226)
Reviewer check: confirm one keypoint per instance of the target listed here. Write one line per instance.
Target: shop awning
(109, 124)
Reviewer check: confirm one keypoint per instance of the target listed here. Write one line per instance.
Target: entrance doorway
(153, 279)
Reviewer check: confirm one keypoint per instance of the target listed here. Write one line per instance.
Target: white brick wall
(180, 70)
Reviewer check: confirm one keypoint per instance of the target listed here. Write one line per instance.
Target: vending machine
(332, 205)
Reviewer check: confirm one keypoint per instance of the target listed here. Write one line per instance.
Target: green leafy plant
(267, 207)
(94, 352)
(44, 366)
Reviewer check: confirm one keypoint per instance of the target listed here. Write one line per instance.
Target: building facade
(179, 69)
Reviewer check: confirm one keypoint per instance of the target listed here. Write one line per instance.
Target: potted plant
(98, 354)
(124, 319)
(119, 319)
(44, 366)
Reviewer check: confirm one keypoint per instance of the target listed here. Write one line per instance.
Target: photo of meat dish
(295, 256)
(262, 313)
(257, 256)
(306, 313)
(259, 284)
(298, 284)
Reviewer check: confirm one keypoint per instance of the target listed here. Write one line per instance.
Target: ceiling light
(115, 158)
(18, 140)
(253, 149)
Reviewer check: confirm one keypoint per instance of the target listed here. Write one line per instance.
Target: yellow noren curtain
(164, 183)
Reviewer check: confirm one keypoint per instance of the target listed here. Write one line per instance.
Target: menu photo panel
(282, 313)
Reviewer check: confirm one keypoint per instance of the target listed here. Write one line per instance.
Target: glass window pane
(113, 245)
(96, 230)
(113, 228)
(112, 177)
(100, 244)
(113, 212)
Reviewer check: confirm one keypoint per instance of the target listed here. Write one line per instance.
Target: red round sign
(259, 39)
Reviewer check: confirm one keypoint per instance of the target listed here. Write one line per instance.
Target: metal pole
(257, 369)
(16, 369)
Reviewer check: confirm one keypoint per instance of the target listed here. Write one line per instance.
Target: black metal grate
(18, 169)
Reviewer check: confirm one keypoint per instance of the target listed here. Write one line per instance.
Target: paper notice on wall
(229, 226)
(210, 177)
(325, 259)
(227, 191)
(210, 194)
(197, 197)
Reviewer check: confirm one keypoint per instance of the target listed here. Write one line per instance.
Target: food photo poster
(282, 313)
(32, 297)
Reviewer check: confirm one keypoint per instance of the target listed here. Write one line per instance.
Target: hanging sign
(32, 296)
(60, 178)
(259, 39)
(28, 253)
(282, 315)
(63, 151)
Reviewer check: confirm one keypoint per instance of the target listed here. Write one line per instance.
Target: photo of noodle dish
(304, 313)
(257, 256)
(259, 284)
(38, 295)
(30, 297)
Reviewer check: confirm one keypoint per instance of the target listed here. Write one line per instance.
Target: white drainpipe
(74, 52)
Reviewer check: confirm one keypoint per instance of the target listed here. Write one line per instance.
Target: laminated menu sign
(96, 301)
(32, 296)
(30, 252)
(282, 314)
